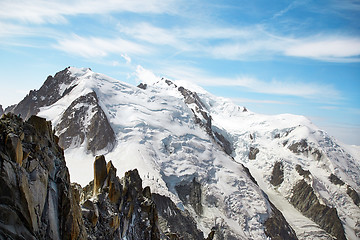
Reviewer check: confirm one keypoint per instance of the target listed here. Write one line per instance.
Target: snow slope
(273, 135)
(156, 133)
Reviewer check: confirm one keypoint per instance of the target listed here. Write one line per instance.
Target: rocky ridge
(83, 121)
(36, 198)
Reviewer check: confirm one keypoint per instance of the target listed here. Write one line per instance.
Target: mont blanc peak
(213, 167)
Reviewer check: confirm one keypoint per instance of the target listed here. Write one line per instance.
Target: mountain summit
(235, 173)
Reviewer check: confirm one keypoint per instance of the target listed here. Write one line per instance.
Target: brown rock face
(100, 173)
(122, 209)
(14, 146)
(36, 198)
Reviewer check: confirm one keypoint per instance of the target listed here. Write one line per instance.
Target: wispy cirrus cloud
(43, 11)
(244, 43)
(99, 47)
(309, 90)
(328, 49)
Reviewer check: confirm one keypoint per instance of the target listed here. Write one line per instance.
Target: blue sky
(299, 57)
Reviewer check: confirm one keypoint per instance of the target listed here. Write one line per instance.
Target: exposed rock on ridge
(190, 193)
(121, 209)
(84, 120)
(277, 176)
(203, 118)
(307, 202)
(36, 198)
(48, 94)
(174, 223)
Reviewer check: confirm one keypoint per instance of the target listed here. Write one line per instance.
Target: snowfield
(156, 133)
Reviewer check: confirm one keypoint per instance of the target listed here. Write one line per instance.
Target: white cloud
(244, 43)
(341, 49)
(43, 11)
(99, 47)
(308, 90)
(145, 76)
(126, 57)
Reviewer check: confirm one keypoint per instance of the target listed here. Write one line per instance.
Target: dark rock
(36, 198)
(302, 172)
(142, 86)
(277, 176)
(76, 125)
(224, 143)
(191, 97)
(174, 223)
(48, 94)
(245, 109)
(335, 180)
(9, 108)
(247, 171)
(304, 148)
(1, 110)
(169, 83)
(90, 212)
(307, 202)
(253, 152)
(190, 193)
(354, 195)
(276, 226)
(277, 135)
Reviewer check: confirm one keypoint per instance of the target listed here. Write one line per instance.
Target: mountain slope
(190, 146)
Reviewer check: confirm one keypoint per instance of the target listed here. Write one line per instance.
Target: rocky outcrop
(190, 193)
(302, 172)
(354, 195)
(173, 222)
(335, 180)
(253, 152)
(116, 208)
(48, 94)
(277, 176)
(306, 201)
(1, 110)
(100, 173)
(303, 147)
(142, 86)
(85, 121)
(224, 143)
(36, 198)
(203, 118)
(276, 226)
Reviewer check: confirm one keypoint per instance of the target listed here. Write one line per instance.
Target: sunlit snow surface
(156, 134)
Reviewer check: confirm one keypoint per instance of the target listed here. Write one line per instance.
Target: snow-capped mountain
(207, 155)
